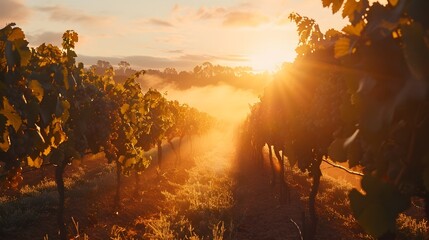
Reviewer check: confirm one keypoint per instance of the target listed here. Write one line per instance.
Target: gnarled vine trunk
(273, 170)
(118, 186)
(175, 151)
(316, 175)
(284, 188)
(159, 146)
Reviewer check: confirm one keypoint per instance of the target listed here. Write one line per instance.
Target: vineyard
(88, 153)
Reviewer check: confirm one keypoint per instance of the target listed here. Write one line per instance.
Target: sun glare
(269, 60)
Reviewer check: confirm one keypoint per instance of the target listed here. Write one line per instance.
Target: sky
(171, 33)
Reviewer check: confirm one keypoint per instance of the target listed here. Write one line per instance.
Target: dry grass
(334, 208)
(199, 208)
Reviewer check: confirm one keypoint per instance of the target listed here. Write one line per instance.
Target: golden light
(269, 60)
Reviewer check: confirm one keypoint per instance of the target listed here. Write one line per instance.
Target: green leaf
(354, 154)
(3, 122)
(36, 89)
(377, 211)
(58, 135)
(37, 139)
(337, 151)
(416, 51)
(124, 108)
(59, 110)
(33, 111)
(24, 52)
(66, 114)
(357, 202)
(16, 33)
(354, 29)
(336, 5)
(10, 55)
(326, 3)
(342, 47)
(349, 8)
(5, 143)
(37, 162)
(12, 116)
(375, 220)
(393, 2)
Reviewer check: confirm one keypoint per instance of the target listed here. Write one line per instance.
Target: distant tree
(123, 66)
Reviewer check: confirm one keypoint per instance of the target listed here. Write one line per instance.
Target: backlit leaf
(326, 3)
(5, 144)
(349, 8)
(342, 47)
(36, 89)
(336, 5)
(416, 51)
(124, 108)
(24, 52)
(37, 162)
(12, 116)
(354, 30)
(393, 2)
(16, 33)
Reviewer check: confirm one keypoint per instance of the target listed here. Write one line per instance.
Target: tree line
(206, 74)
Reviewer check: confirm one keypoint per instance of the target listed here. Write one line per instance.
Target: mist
(228, 104)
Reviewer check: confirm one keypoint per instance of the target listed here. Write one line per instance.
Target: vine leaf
(354, 29)
(125, 108)
(336, 4)
(37, 162)
(337, 150)
(377, 210)
(349, 8)
(393, 2)
(37, 89)
(12, 116)
(5, 143)
(415, 50)
(342, 47)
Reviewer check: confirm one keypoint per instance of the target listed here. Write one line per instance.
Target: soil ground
(257, 212)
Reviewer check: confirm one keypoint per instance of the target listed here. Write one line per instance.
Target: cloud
(55, 38)
(159, 22)
(62, 14)
(244, 19)
(210, 58)
(210, 13)
(196, 58)
(13, 11)
(175, 51)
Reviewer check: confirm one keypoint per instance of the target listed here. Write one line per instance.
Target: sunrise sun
(269, 60)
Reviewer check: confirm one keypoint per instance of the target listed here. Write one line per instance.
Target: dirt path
(260, 213)
(193, 199)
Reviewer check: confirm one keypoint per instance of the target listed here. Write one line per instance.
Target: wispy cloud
(159, 22)
(244, 19)
(13, 11)
(54, 38)
(63, 14)
(210, 13)
(175, 51)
